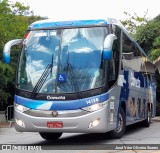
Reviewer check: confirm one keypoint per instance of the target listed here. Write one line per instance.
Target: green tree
(146, 32)
(6, 84)
(134, 22)
(20, 9)
(5, 7)
(148, 37)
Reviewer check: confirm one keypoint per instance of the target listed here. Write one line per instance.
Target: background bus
(84, 76)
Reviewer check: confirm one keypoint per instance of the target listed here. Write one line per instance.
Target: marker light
(26, 35)
(21, 108)
(95, 107)
(20, 123)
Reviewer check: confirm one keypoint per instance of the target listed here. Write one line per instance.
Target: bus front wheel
(50, 136)
(119, 131)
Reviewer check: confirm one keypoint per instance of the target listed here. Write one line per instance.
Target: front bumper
(77, 122)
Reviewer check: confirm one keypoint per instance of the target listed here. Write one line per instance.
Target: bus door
(152, 93)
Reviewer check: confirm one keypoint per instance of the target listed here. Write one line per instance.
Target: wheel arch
(149, 106)
(123, 105)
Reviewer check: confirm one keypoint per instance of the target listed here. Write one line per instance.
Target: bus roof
(50, 23)
(43, 24)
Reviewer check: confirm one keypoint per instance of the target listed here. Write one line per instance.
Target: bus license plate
(55, 124)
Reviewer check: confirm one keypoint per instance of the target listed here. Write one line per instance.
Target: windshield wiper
(43, 78)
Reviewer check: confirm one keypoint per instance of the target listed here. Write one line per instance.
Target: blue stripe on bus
(52, 24)
(60, 105)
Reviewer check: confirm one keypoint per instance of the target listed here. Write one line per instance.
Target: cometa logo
(56, 98)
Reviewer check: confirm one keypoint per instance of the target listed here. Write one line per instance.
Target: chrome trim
(70, 111)
(62, 114)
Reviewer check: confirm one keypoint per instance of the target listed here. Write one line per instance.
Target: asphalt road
(136, 137)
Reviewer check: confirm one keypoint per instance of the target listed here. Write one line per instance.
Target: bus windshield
(62, 60)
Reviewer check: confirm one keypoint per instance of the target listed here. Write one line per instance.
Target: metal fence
(10, 113)
(7, 116)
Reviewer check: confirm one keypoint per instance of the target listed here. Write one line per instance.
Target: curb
(157, 119)
(6, 124)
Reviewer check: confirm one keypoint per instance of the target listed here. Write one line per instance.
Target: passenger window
(127, 48)
(137, 53)
(113, 64)
(132, 57)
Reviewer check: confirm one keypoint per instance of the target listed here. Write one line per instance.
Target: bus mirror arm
(7, 49)
(108, 43)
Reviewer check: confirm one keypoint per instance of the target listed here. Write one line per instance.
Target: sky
(92, 9)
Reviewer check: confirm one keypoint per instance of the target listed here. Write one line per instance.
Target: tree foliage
(149, 38)
(5, 7)
(134, 22)
(6, 83)
(146, 32)
(14, 20)
(20, 9)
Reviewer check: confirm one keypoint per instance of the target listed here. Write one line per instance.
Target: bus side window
(132, 56)
(149, 80)
(127, 51)
(113, 64)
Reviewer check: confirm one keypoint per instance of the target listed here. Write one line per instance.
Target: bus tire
(146, 122)
(50, 136)
(118, 132)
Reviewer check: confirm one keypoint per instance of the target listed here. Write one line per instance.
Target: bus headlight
(95, 107)
(21, 108)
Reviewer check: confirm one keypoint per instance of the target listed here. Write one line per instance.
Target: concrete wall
(2, 116)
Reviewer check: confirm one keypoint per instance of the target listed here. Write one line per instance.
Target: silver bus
(84, 76)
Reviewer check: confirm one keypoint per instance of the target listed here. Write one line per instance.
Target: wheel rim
(120, 124)
(148, 117)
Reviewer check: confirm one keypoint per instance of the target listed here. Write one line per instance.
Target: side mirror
(108, 43)
(7, 49)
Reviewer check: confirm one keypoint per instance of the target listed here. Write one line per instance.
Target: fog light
(94, 123)
(20, 123)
